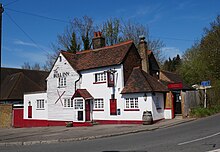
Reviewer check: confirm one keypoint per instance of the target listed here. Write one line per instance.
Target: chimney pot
(142, 38)
(98, 41)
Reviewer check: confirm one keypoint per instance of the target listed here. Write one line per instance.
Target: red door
(87, 110)
(113, 107)
(29, 111)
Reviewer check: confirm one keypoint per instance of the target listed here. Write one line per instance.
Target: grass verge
(203, 112)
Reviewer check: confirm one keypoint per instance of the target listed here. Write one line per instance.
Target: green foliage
(111, 31)
(74, 47)
(201, 62)
(203, 112)
(172, 65)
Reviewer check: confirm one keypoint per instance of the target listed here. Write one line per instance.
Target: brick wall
(5, 115)
(132, 60)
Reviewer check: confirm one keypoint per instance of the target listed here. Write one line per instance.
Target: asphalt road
(197, 136)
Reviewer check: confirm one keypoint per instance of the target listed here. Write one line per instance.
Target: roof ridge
(106, 47)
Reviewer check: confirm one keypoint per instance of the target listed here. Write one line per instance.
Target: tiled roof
(140, 81)
(15, 82)
(82, 93)
(102, 57)
(169, 77)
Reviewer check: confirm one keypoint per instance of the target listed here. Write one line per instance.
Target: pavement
(48, 135)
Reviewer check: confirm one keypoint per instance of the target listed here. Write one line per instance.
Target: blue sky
(178, 23)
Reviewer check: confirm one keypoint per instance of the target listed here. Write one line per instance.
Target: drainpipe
(77, 80)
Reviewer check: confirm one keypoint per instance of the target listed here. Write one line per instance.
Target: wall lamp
(145, 97)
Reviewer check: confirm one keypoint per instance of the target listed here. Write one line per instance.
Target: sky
(27, 38)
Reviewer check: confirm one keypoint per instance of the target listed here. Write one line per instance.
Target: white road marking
(191, 141)
(216, 150)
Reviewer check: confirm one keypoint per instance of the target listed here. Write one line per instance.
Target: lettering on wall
(60, 75)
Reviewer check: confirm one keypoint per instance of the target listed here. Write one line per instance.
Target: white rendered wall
(158, 113)
(101, 90)
(167, 113)
(41, 114)
(142, 104)
(56, 111)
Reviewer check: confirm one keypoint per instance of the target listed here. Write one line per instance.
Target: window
(60, 58)
(68, 102)
(98, 104)
(157, 103)
(131, 103)
(40, 104)
(62, 82)
(100, 77)
(78, 103)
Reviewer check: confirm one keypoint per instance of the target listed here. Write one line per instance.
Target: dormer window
(100, 77)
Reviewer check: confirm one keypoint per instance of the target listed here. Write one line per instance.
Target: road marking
(191, 141)
(216, 150)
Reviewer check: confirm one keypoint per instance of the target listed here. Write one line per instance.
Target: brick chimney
(142, 47)
(98, 41)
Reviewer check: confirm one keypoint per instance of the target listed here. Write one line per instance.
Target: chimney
(143, 53)
(98, 41)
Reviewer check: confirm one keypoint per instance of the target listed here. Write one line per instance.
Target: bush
(203, 112)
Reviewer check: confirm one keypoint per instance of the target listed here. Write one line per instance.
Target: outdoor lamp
(145, 97)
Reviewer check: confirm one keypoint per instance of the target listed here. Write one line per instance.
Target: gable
(61, 67)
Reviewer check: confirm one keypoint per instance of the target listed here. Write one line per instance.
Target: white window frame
(78, 104)
(131, 103)
(67, 103)
(62, 82)
(40, 104)
(100, 77)
(98, 104)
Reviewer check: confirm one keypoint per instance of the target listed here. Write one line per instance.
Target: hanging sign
(111, 79)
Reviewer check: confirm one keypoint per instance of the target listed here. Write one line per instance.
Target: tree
(172, 65)
(78, 36)
(111, 30)
(201, 61)
(27, 66)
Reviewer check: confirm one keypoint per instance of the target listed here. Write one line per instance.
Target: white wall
(167, 113)
(41, 114)
(56, 111)
(158, 98)
(143, 106)
(148, 105)
(103, 91)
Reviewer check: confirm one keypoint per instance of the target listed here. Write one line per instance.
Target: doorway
(177, 102)
(87, 108)
(113, 107)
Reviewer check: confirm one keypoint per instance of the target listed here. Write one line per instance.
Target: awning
(82, 93)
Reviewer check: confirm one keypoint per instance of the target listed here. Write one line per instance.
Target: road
(197, 136)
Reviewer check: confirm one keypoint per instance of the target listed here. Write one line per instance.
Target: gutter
(77, 80)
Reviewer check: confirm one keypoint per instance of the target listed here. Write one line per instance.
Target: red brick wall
(132, 60)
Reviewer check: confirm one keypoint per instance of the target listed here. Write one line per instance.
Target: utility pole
(1, 11)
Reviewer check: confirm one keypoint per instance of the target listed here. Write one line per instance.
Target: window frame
(62, 82)
(40, 104)
(78, 106)
(67, 103)
(131, 104)
(98, 104)
(100, 77)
